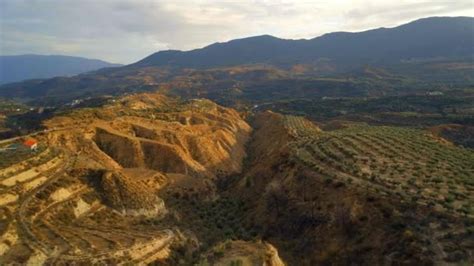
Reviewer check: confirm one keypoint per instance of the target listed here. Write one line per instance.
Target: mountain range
(435, 37)
(436, 49)
(22, 67)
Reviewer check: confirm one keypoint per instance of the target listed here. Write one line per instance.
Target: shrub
(237, 262)
(449, 198)
(218, 253)
(327, 179)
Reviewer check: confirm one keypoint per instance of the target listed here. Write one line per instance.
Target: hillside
(418, 40)
(197, 137)
(100, 172)
(358, 194)
(148, 178)
(14, 68)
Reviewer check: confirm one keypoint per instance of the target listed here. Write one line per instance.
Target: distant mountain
(427, 52)
(436, 37)
(22, 67)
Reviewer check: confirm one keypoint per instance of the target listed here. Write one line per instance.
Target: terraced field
(300, 127)
(407, 163)
(50, 214)
(16, 183)
(423, 175)
(27, 171)
(11, 157)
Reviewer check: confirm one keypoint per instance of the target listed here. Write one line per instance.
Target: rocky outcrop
(130, 197)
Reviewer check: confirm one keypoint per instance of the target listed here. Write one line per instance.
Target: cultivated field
(422, 184)
(407, 163)
(49, 214)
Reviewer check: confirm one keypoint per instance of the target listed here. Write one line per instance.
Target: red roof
(30, 142)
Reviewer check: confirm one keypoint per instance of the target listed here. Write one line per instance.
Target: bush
(237, 262)
(218, 253)
(327, 179)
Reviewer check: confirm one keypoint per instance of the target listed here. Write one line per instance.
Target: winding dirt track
(25, 201)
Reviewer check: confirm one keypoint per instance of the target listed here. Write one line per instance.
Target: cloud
(125, 31)
(394, 13)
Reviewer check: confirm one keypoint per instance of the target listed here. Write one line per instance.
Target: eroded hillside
(97, 189)
(150, 131)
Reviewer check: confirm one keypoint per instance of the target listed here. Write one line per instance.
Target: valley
(152, 179)
(351, 148)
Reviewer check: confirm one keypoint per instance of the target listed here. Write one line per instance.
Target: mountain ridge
(400, 50)
(381, 44)
(15, 68)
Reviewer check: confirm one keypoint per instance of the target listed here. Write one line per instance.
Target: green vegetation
(300, 126)
(8, 107)
(402, 162)
(453, 106)
(11, 157)
(220, 219)
(224, 216)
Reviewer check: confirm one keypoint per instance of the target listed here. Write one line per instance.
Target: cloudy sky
(124, 31)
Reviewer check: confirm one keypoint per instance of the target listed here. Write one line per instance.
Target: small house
(31, 144)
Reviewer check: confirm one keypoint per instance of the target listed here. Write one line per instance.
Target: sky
(125, 31)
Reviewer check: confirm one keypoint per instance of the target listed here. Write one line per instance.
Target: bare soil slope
(149, 131)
